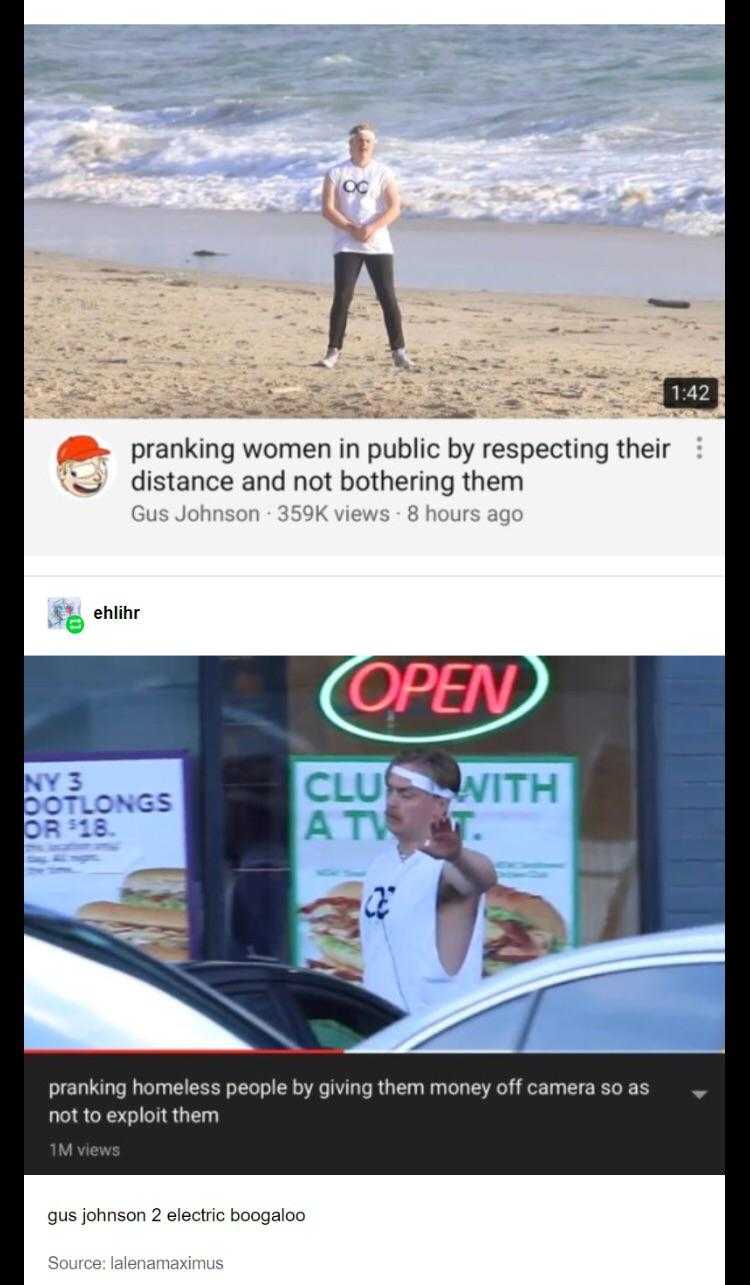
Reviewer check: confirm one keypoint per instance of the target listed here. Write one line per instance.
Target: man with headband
(361, 200)
(422, 914)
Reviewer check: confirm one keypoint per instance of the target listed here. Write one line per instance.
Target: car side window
(666, 1008)
(262, 1002)
(496, 1029)
(336, 1022)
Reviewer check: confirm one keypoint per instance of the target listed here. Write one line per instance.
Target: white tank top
(398, 928)
(360, 195)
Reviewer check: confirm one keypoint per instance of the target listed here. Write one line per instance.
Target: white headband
(424, 783)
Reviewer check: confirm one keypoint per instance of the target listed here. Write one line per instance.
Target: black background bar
(516, 1130)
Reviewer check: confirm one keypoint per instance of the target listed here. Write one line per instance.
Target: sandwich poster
(106, 840)
(522, 813)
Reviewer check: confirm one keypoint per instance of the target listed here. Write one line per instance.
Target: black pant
(346, 268)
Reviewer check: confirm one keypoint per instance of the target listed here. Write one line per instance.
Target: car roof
(71, 1001)
(77, 937)
(704, 939)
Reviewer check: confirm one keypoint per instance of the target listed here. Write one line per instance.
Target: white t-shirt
(398, 930)
(360, 196)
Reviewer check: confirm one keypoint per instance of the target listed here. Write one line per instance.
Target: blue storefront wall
(681, 790)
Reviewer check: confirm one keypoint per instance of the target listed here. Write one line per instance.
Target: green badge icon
(74, 624)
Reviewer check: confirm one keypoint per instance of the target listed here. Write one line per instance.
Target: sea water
(540, 124)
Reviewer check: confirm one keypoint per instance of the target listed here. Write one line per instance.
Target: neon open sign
(460, 698)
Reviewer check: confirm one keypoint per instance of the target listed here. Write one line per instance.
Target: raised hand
(444, 841)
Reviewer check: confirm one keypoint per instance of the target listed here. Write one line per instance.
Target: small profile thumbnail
(59, 610)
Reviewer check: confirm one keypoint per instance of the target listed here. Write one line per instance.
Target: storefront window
(91, 704)
(265, 745)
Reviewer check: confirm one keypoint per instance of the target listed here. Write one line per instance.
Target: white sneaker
(330, 359)
(402, 359)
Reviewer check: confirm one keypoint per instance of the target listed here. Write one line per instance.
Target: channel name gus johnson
(141, 513)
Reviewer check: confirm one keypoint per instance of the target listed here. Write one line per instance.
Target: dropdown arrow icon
(699, 1093)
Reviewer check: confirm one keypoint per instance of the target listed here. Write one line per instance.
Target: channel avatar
(60, 610)
(82, 466)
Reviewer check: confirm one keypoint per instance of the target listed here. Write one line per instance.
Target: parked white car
(658, 993)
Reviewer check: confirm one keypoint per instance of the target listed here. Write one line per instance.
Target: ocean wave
(241, 154)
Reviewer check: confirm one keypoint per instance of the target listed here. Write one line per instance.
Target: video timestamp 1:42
(691, 392)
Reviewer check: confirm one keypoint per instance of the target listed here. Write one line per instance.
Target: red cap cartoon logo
(82, 465)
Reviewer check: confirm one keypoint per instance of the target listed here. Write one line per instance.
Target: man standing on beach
(361, 200)
(422, 914)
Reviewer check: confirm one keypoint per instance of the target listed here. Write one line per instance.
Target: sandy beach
(552, 178)
(105, 340)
